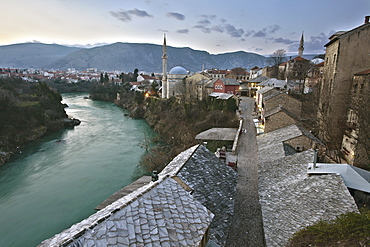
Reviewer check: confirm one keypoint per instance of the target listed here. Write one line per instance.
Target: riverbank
(59, 179)
(28, 111)
(176, 122)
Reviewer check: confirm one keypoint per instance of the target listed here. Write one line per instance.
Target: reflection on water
(58, 180)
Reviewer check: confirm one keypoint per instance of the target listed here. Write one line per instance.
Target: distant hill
(121, 56)
(148, 57)
(32, 55)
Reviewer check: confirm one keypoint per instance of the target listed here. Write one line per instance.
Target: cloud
(204, 22)
(203, 28)
(219, 29)
(284, 41)
(183, 31)
(177, 16)
(211, 17)
(233, 32)
(265, 32)
(126, 15)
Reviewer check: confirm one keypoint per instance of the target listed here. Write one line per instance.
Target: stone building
(218, 73)
(294, 69)
(238, 74)
(356, 139)
(314, 77)
(347, 53)
(285, 100)
(196, 86)
(278, 118)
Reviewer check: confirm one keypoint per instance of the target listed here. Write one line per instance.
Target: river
(58, 180)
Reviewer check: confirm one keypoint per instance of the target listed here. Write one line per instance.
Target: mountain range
(121, 56)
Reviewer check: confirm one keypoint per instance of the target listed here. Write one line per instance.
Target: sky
(259, 26)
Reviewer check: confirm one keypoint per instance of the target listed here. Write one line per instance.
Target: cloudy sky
(216, 26)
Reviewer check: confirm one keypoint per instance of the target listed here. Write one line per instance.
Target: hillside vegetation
(176, 121)
(351, 229)
(27, 111)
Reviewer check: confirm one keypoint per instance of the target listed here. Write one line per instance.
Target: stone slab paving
(247, 228)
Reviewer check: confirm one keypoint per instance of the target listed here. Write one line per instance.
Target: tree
(106, 78)
(277, 57)
(135, 74)
(101, 78)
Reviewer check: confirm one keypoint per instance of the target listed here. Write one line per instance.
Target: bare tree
(277, 58)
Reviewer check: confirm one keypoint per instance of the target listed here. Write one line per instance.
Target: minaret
(164, 70)
(301, 48)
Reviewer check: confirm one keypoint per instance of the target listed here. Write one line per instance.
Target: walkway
(247, 227)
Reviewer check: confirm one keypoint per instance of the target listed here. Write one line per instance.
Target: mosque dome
(178, 70)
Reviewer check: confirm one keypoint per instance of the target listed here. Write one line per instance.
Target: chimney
(367, 18)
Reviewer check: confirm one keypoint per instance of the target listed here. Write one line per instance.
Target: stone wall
(303, 142)
(346, 54)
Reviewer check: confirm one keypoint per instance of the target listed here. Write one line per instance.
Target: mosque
(173, 83)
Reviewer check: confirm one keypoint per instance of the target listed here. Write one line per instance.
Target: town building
(217, 73)
(347, 53)
(196, 86)
(226, 85)
(255, 72)
(314, 77)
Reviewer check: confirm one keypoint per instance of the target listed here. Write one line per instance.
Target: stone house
(314, 77)
(277, 118)
(270, 71)
(217, 73)
(347, 53)
(196, 86)
(255, 72)
(356, 139)
(294, 69)
(252, 85)
(242, 77)
(283, 99)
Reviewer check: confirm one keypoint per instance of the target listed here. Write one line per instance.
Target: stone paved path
(247, 227)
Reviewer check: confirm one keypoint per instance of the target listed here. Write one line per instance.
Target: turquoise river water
(58, 181)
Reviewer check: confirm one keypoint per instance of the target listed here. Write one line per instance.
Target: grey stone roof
(270, 145)
(291, 200)
(163, 213)
(265, 90)
(227, 81)
(203, 82)
(273, 82)
(214, 185)
(159, 214)
(217, 134)
(259, 79)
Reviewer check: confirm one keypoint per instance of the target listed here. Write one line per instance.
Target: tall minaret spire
(164, 70)
(301, 48)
